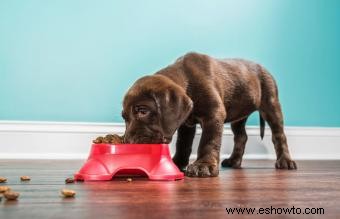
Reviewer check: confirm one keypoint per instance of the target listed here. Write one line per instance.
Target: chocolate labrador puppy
(201, 89)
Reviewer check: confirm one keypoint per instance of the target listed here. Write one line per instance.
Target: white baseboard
(69, 140)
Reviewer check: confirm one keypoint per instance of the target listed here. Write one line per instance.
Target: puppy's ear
(174, 106)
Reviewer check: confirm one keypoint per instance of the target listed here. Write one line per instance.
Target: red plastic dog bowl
(107, 160)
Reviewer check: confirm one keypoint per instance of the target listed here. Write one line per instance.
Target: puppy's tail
(262, 126)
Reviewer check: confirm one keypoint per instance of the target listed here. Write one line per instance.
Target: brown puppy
(201, 89)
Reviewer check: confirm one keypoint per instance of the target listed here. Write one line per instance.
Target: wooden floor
(316, 184)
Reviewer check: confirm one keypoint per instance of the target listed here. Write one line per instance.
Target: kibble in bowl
(109, 139)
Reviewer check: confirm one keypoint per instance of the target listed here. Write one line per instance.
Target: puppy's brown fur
(201, 89)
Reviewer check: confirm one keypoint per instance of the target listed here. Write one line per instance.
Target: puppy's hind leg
(273, 115)
(240, 140)
(185, 137)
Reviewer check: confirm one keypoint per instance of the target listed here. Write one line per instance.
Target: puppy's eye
(142, 111)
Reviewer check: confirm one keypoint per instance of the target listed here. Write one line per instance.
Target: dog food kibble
(109, 139)
(2, 179)
(116, 139)
(106, 141)
(98, 140)
(68, 193)
(69, 180)
(25, 178)
(4, 189)
(129, 180)
(11, 195)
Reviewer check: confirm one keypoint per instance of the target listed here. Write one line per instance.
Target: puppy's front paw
(285, 163)
(230, 162)
(202, 169)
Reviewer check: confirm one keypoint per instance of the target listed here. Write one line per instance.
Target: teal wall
(73, 60)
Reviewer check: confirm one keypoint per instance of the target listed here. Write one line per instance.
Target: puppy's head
(153, 108)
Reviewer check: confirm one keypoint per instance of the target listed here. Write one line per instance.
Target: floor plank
(316, 184)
